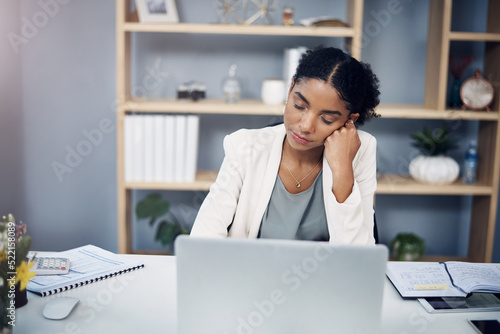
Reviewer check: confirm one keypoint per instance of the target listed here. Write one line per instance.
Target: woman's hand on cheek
(340, 149)
(341, 146)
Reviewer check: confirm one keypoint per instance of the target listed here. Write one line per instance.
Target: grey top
(296, 216)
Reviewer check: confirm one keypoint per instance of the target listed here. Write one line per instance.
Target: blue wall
(61, 85)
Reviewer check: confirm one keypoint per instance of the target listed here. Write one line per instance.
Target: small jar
(198, 91)
(183, 91)
(287, 18)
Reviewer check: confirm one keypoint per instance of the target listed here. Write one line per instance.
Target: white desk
(144, 301)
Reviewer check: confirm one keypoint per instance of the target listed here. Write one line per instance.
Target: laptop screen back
(245, 286)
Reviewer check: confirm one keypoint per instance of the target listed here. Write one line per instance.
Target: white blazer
(240, 195)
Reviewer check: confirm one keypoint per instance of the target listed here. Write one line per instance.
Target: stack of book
(161, 148)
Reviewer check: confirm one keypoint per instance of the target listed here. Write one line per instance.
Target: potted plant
(167, 229)
(14, 268)
(407, 247)
(433, 165)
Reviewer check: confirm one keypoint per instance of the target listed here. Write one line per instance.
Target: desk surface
(144, 301)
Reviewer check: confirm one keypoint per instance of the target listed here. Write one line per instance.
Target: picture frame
(157, 11)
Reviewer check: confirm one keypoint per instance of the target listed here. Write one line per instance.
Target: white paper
(407, 276)
(87, 264)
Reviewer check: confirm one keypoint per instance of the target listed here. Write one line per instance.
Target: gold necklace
(305, 177)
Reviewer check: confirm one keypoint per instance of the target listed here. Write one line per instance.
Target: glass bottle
(470, 164)
(231, 88)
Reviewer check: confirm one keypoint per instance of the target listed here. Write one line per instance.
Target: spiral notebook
(88, 264)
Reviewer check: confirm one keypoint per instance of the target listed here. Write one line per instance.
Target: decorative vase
(439, 169)
(21, 296)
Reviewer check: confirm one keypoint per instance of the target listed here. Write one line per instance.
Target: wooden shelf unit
(440, 35)
(127, 23)
(485, 192)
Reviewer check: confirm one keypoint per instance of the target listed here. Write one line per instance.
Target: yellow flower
(3, 255)
(24, 275)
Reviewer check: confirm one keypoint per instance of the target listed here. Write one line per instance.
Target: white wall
(11, 131)
(68, 75)
(65, 74)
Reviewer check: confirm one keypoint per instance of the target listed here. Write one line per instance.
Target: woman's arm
(351, 221)
(217, 210)
(340, 149)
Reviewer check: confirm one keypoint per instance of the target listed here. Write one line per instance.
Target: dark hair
(355, 82)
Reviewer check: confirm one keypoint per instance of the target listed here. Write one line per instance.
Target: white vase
(434, 169)
(272, 91)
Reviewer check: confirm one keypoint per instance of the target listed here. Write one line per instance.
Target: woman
(311, 178)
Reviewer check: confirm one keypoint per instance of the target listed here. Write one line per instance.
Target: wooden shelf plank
(207, 106)
(391, 184)
(203, 181)
(387, 184)
(149, 252)
(411, 111)
(474, 36)
(256, 107)
(238, 29)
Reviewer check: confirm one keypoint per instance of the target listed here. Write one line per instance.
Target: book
(159, 148)
(169, 155)
(128, 147)
(192, 135)
(137, 148)
(88, 264)
(443, 279)
(148, 147)
(180, 148)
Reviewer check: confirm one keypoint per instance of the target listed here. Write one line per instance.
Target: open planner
(443, 279)
(88, 264)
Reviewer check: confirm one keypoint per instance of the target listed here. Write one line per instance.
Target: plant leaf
(432, 143)
(167, 232)
(151, 207)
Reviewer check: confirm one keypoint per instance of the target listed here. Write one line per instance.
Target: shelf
(392, 184)
(149, 252)
(413, 111)
(238, 29)
(203, 181)
(474, 36)
(207, 106)
(440, 36)
(387, 185)
(256, 107)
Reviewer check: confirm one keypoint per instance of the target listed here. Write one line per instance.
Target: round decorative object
(476, 93)
(434, 169)
(272, 91)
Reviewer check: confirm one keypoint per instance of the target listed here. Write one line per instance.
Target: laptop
(257, 286)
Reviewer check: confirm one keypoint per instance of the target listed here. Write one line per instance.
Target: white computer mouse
(59, 308)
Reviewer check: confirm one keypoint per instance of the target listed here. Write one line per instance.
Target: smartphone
(486, 326)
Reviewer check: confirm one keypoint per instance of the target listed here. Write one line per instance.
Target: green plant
(14, 268)
(433, 143)
(407, 247)
(154, 207)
